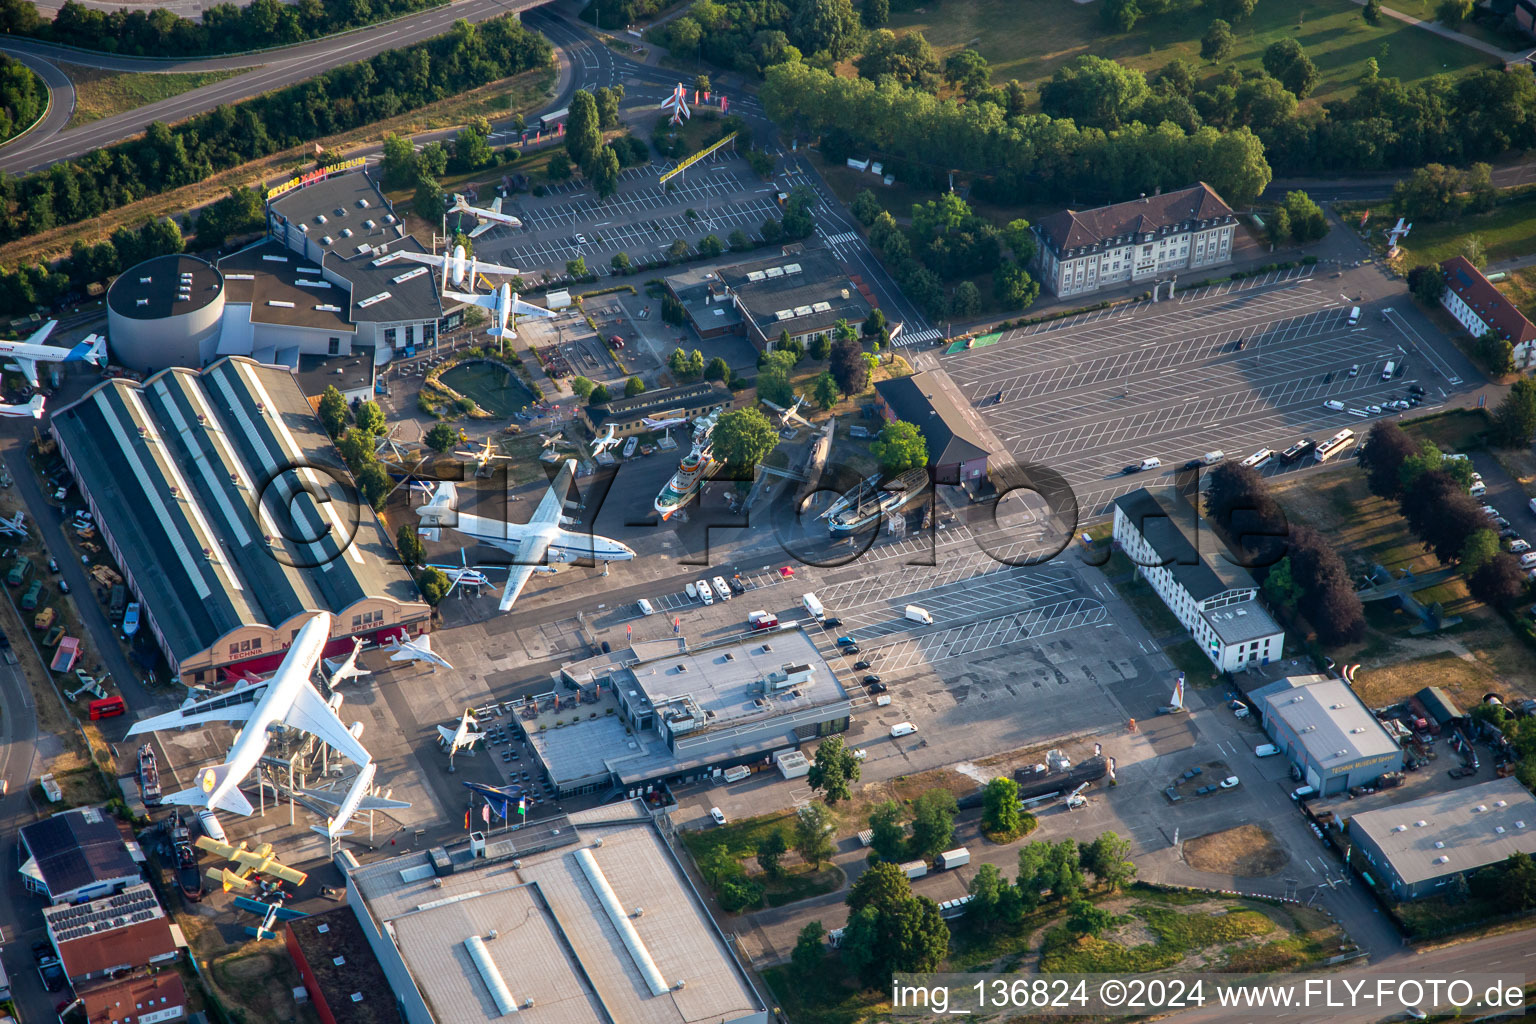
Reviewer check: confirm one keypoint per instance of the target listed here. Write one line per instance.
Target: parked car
(52, 974)
(871, 680)
(832, 623)
(860, 665)
(691, 591)
(1354, 371)
(737, 587)
(850, 650)
(877, 687)
(718, 815)
(845, 641)
(1230, 782)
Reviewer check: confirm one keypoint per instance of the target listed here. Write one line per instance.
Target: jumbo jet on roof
(488, 218)
(23, 356)
(531, 545)
(287, 698)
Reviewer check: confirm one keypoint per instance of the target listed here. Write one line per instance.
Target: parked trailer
(914, 868)
(954, 858)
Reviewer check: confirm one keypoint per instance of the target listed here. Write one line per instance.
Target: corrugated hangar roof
(205, 480)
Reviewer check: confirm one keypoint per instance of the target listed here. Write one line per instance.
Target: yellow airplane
(252, 862)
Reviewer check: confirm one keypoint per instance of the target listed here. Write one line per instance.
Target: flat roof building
(578, 923)
(1213, 597)
(627, 415)
(77, 855)
(1327, 732)
(345, 982)
(202, 484)
(957, 454)
(804, 292)
(1417, 848)
(666, 712)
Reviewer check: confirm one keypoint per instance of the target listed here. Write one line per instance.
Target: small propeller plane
(482, 457)
(419, 649)
(34, 408)
(252, 862)
(488, 218)
(23, 356)
(789, 415)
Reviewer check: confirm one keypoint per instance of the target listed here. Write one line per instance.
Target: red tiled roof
(135, 944)
(1469, 284)
(1077, 229)
(126, 1001)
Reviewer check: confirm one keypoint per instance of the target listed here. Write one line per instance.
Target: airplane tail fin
(41, 334)
(92, 350)
(440, 511)
(209, 780)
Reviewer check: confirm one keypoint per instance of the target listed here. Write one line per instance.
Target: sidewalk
(1507, 56)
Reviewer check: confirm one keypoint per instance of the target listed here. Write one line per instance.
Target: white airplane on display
(663, 424)
(456, 266)
(16, 526)
(488, 218)
(604, 441)
(464, 736)
(419, 649)
(34, 408)
(363, 796)
(539, 541)
(339, 670)
(505, 308)
(288, 698)
(677, 103)
(464, 573)
(790, 415)
(23, 357)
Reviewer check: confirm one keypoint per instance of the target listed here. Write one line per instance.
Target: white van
(1528, 560)
(1333, 406)
(916, 614)
(645, 607)
(211, 827)
(1386, 371)
(1265, 750)
(1151, 463)
(902, 729)
(1354, 316)
(813, 606)
(705, 594)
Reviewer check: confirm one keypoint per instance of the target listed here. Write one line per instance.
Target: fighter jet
(604, 441)
(339, 670)
(419, 649)
(532, 544)
(462, 737)
(790, 415)
(488, 218)
(23, 357)
(287, 698)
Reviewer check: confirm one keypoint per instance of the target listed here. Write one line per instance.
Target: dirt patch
(260, 982)
(1248, 851)
(1464, 678)
(1131, 932)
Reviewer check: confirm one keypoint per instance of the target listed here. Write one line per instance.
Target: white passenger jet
(488, 218)
(23, 356)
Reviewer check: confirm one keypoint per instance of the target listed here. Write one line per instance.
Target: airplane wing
(493, 268)
(481, 229)
(776, 407)
(369, 803)
(27, 368)
(217, 848)
(271, 868)
(516, 580)
(420, 257)
(488, 301)
(552, 506)
(228, 879)
(311, 713)
(41, 334)
(446, 733)
(202, 712)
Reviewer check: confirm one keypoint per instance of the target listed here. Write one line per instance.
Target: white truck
(954, 858)
(916, 614)
(737, 773)
(914, 868)
(813, 606)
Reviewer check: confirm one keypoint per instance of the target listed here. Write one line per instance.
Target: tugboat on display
(188, 877)
(149, 776)
(869, 507)
(697, 466)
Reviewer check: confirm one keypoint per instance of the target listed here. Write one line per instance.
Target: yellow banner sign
(310, 177)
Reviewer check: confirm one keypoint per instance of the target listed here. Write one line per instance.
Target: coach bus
(1259, 459)
(1334, 445)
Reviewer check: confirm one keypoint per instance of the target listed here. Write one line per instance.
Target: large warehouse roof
(599, 926)
(205, 483)
(1458, 830)
(1329, 719)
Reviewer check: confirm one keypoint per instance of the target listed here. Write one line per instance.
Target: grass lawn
(1030, 39)
(1151, 938)
(1457, 430)
(101, 93)
(825, 997)
(1519, 286)
(1509, 229)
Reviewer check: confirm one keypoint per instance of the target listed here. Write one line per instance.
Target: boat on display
(630, 445)
(697, 466)
(149, 776)
(131, 619)
(888, 498)
(188, 878)
(865, 488)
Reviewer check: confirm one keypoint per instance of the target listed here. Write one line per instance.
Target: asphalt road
(270, 71)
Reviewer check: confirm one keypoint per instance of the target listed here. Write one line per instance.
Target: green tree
(825, 26)
(771, 848)
(604, 172)
(1280, 585)
(1308, 223)
(576, 267)
(558, 168)
(1479, 549)
(819, 348)
(607, 101)
(1453, 12)
(411, 550)
(678, 250)
(620, 263)
(599, 395)
(810, 948)
(1013, 287)
(1066, 871)
(1109, 858)
(1000, 807)
(375, 485)
(398, 163)
(1094, 91)
(677, 363)
(1286, 60)
(1427, 283)
(876, 13)
(966, 302)
(432, 161)
(1473, 250)
(1279, 226)
(889, 835)
(634, 386)
(1496, 352)
(1237, 10)
(333, 410)
(581, 387)
(718, 370)
(739, 241)
(1020, 240)
(865, 207)
(441, 437)
(900, 446)
(1372, 12)
(1086, 919)
(824, 390)
(1514, 422)
(773, 377)
(583, 131)
(933, 822)
(472, 150)
(743, 438)
(1216, 44)
(834, 770)
(433, 584)
(889, 929)
(427, 202)
(968, 71)
(710, 245)
(370, 419)
(813, 833)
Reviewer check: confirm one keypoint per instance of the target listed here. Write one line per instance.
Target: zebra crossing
(917, 337)
(842, 239)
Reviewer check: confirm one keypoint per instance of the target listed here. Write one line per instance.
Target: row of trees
(225, 27)
(341, 99)
(1297, 565)
(23, 97)
(1431, 491)
(31, 285)
(1437, 192)
(1122, 15)
(749, 36)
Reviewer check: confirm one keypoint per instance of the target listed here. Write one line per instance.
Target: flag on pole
(503, 814)
(706, 95)
(522, 805)
(466, 817)
(485, 812)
